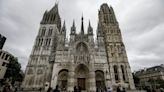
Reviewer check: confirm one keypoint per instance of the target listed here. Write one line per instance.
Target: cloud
(141, 23)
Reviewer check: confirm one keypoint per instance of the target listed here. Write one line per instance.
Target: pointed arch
(62, 79)
(82, 48)
(100, 79)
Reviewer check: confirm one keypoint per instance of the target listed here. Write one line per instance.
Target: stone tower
(39, 68)
(115, 49)
(80, 61)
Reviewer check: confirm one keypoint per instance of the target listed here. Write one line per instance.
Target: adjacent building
(4, 61)
(82, 61)
(4, 58)
(149, 76)
(2, 41)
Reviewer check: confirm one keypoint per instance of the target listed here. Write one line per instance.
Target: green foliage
(13, 70)
(136, 79)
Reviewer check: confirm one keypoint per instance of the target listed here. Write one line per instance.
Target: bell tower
(39, 68)
(115, 49)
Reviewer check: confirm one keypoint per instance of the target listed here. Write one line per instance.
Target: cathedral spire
(99, 29)
(64, 27)
(73, 23)
(73, 28)
(82, 26)
(63, 30)
(90, 29)
(89, 23)
(55, 8)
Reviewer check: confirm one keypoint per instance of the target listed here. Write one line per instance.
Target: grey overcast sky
(141, 23)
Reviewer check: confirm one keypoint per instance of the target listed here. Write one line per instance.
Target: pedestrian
(105, 89)
(97, 89)
(56, 89)
(7, 88)
(153, 90)
(64, 89)
(49, 89)
(124, 90)
(109, 89)
(148, 89)
(79, 89)
(118, 89)
(16, 89)
(101, 90)
(40, 89)
(161, 89)
(75, 89)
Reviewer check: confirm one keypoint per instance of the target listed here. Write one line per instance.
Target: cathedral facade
(83, 60)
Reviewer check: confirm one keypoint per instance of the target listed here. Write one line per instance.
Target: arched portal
(81, 76)
(62, 79)
(100, 80)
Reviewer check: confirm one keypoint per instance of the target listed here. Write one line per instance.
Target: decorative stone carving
(40, 71)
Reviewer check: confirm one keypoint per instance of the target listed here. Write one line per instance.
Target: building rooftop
(154, 69)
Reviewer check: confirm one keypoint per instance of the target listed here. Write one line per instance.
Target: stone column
(92, 81)
(8, 58)
(108, 79)
(1, 55)
(54, 83)
(71, 81)
(4, 56)
(112, 74)
(71, 76)
(35, 80)
(54, 76)
(130, 77)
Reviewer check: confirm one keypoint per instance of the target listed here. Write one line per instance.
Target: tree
(136, 80)
(14, 70)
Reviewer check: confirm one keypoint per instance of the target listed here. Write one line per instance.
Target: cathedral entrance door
(100, 80)
(62, 79)
(81, 83)
(81, 75)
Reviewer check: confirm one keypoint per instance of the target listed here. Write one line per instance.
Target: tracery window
(50, 31)
(123, 72)
(116, 72)
(82, 48)
(39, 71)
(30, 71)
(41, 42)
(43, 31)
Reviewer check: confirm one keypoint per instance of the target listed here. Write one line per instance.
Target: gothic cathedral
(82, 61)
